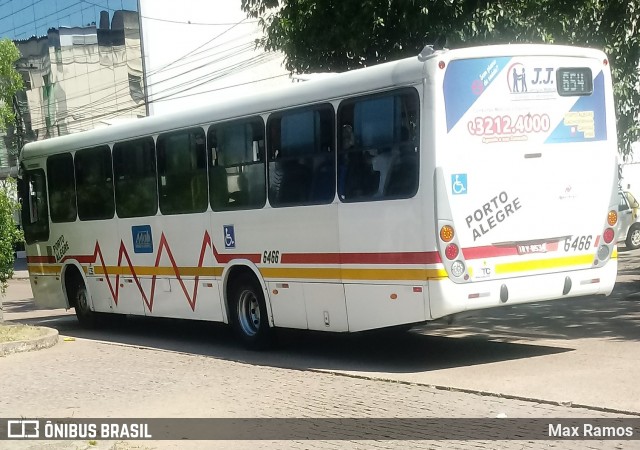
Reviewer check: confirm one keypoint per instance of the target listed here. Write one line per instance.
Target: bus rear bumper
(446, 297)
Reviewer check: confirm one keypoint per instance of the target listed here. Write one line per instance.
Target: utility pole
(19, 128)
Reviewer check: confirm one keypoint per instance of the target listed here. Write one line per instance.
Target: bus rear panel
(525, 178)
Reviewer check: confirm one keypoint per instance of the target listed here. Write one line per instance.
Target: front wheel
(248, 313)
(633, 237)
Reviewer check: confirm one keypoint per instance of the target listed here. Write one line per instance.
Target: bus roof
(384, 76)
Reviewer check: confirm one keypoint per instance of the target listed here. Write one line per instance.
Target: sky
(21, 19)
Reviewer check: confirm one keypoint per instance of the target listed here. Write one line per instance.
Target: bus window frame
(105, 150)
(54, 217)
(215, 169)
(134, 210)
(343, 154)
(36, 235)
(273, 157)
(162, 153)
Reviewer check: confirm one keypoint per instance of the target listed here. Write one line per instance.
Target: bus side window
(62, 188)
(182, 171)
(379, 153)
(94, 183)
(301, 156)
(136, 186)
(236, 165)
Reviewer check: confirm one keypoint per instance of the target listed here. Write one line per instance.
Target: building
(134, 64)
(79, 78)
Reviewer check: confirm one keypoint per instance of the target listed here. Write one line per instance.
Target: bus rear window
(573, 81)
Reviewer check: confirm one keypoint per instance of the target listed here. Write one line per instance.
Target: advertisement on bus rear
(498, 100)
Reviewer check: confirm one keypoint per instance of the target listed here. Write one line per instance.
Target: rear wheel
(248, 313)
(86, 317)
(633, 237)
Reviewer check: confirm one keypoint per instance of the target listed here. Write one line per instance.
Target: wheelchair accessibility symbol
(459, 183)
(229, 236)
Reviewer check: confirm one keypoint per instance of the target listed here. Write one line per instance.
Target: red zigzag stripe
(148, 300)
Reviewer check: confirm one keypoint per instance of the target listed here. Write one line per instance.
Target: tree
(9, 233)
(10, 83)
(333, 35)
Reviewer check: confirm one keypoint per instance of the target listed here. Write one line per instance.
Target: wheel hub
(249, 313)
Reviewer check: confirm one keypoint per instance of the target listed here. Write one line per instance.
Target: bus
(388, 196)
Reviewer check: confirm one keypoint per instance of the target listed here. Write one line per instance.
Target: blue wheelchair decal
(459, 183)
(229, 236)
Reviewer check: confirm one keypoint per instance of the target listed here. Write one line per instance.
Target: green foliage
(10, 81)
(334, 35)
(9, 234)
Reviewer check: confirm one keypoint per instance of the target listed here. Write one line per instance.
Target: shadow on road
(380, 351)
(494, 335)
(616, 317)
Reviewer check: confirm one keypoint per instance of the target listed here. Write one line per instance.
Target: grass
(18, 332)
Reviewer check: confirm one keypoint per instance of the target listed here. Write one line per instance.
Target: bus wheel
(86, 317)
(248, 313)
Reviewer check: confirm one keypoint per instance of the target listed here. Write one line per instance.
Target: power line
(36, 20)
(20, 10)
(239, 49)
(200, 46)
(181, 22)
(167, 93)
(168, 20)
(129, 109)
(123, 85)
(106, 7)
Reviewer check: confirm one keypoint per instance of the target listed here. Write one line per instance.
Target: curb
(49, 339)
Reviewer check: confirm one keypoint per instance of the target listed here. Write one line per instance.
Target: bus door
(379, 212)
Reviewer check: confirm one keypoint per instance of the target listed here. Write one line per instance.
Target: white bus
(392, 195)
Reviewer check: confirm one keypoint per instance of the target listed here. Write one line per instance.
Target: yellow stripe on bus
(42, 269)
(329, 273)
(141, 271)
(351, 274)
(541, 264)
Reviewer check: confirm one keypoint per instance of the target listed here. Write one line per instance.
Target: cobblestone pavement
(152, 372)
(85, 378)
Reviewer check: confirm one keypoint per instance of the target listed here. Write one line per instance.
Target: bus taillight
(612, 218)
(447, 233)
(608, 235)
(451, 251)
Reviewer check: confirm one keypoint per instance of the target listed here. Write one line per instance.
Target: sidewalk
(20, 271)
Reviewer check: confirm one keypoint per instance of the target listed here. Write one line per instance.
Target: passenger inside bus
(357, 175)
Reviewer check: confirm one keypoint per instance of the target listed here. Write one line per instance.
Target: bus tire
(248, 313)
(86, 317)
(633, 237)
